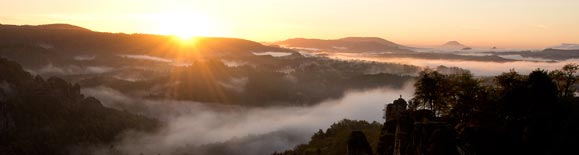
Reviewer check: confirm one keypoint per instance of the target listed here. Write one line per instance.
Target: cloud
(540, 27)
(51, 69)
(146, 57)
(84, 57)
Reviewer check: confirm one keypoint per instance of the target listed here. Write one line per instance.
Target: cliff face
(407, 132)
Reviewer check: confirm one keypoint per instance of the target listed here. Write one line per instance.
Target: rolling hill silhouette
(72, 40)
(349, 44)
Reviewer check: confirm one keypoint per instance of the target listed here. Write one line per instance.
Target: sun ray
(184, 24)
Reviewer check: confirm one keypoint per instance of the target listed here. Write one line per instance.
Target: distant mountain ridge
(66, 39)
(453, 45)
(566, 46)
(370, 39)
(63, 27)
(348, 44)
(48, 27)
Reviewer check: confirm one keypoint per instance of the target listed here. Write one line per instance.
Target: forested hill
(68, 41)
(335, 139)
(50, 116)
(458, 114)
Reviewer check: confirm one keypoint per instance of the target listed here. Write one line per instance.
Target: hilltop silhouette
(69, 40)
(349, 44)
(453, 45)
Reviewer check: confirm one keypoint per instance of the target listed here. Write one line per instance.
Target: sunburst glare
(184, 24)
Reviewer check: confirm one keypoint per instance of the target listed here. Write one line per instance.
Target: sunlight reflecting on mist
(190, 125)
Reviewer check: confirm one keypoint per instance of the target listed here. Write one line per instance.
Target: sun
(184, 24)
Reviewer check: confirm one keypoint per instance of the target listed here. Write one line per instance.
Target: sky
(477, 23)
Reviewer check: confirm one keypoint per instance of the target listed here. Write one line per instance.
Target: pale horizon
(531, 24)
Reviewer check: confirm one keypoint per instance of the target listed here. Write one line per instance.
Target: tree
(466, 95)
(457, 94)
(509, 81)
(543, 96)
(431, 91)
(512, 96)
(565, 78)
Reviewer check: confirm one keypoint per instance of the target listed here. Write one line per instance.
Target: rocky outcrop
(51, 116)
(415, 132)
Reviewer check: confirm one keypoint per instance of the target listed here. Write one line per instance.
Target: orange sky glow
(478, 23)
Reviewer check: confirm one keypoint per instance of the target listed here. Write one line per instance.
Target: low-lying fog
(195, 127)
(478, 68)
(210, 128)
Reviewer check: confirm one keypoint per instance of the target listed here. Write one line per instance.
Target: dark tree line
(509, 114)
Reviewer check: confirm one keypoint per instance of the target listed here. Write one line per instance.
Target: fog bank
(478, 68)
(193, 127)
